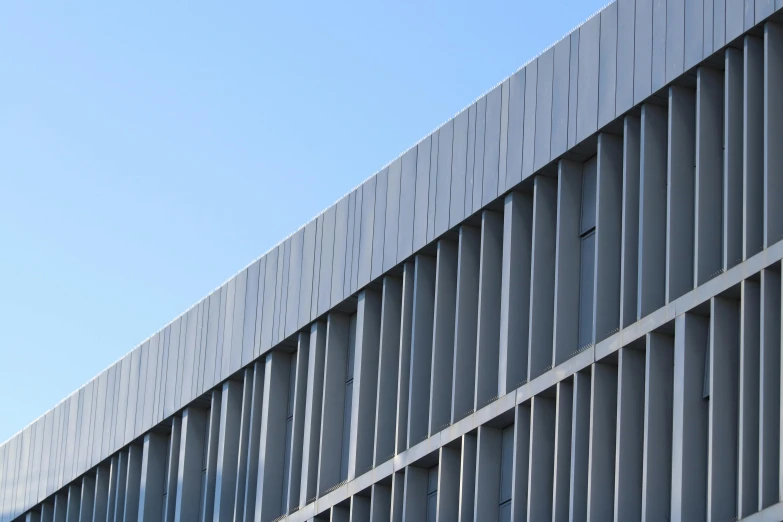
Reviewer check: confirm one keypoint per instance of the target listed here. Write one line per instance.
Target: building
(563, 304)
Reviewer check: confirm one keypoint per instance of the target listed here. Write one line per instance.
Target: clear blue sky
(150, 150)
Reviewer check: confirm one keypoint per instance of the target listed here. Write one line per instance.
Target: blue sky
(148, 151)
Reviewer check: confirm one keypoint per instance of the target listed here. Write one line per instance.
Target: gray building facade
(564, 304)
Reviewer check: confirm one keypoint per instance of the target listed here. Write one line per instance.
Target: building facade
(563, 304)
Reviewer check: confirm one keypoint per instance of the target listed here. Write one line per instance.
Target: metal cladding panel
(459, 168)
(227, 322)
(34, 493)
(421, 195)
(470, 160)
(141, 388)
(366, 233)
(443, 182)
(694, 33)
(529, 130)
(327, 258)
(502, 181)
(319, 230)
(735, 13)
(544, 94)
(516, 128)
(478, 162)
(281, 288)
(607, 74)
(192, 348)
(121, 412)
(340, 245)
(46, 452)
(560, 83)
(626, 24)
(197, 381)
(573, 88)
(210, 345)
(133, 395)
(433, 185)
(306, 284)
(22, 471)
(719, 17)
(407, 204)
(675, 38)
(587, 98)
(251, 311)
(658, 78)
(379, 223)
(268, 313)
(9, 487)
(764, 8)
(392, 215)
(642, 77)
(750, 13)
(353, 284)
(152, 383)
(71, 423)
(492, 145)
(349, 252)
(106, 427)
(294, 280)
(708, 27)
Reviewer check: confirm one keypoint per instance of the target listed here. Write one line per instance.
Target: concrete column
(466, 322)
(271, 455)
(749, 374)
(398, 496)
(520, 462)
(365, 382)
(691, 411)
(87, 502)
(313, 409)
(388, 369)
(567, 260)
(732, 157)
(443, 336)
(562, 479)
(229, 426)
(542, 276)
(133, 483)
(580, 447)
(753, 147)
(630, 240)
(191, 454)
(657, 457)
(680, 192)
(421, 349)
(415, 495)
(723, 409)
(603, 430)
(467, 477)
(515, 290)
(542, 458)
(74, 502)
(360, 508)
(773, 133)
(380, 509)
(652, 210)
(173, 470)
(299, 409)
(153, 468)
(448, 484)
(121, 484)
(488, 329)
(99, 511)
(406, 333)
(769, 404)
(608, 236)
(708, 258)
(630, 434)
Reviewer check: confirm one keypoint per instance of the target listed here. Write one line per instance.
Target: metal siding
(190, 365)
(658, 78)
(282, 302)
(643, 41)
(141, 390)
(516, 128)
(421, 196)
(198, 360)
(764, 8)
(392, 215)
(121, 413)
(626, 23)
(750, 14)
(470, 161)
(319, 231)
(134, 374)
(503, 184)
(694, 32)
(478, 158)
(151, 384)
(560, 87)
(719, 18)
(251, 310)
(459, 168)
(366, 234)
(340, 245)
(543, 104)
(443, 183)
(587, 97)
(46, 453)
(529, 130)
(349, 249)
(227, 320)
(280, 289)
(734, 18)
(210, 348)
(707, 28)
(294, 280)
(607, 74)
(407, 204)
(573, 87)
(268, 312)
(433, 185)
(306, 285)
(379, 223)
(357, 232)
(106, 429)
(327, 258)
(675, 38)
(492, 145)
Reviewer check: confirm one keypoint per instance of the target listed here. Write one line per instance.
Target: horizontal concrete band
(614, 61)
